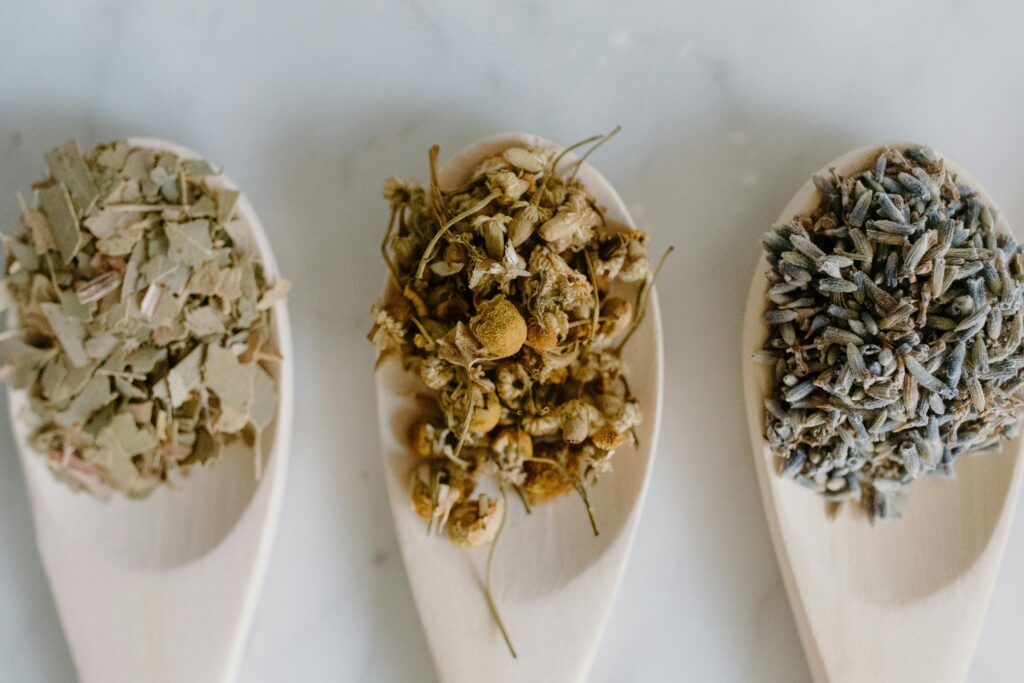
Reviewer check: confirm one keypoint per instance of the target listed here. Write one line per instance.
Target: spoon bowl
(553, 580)
(901, 600)
(165, 588)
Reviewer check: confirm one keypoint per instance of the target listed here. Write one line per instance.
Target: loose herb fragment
(895, 315)
(506, 298)
(141, 325)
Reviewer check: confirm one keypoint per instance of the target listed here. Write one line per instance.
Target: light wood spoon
(164, 589)
(901, 601)
(553, 580)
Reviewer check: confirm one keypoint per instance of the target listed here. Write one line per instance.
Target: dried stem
(554, 166)
(435, 484)
(428, 252)
(577, 484)
(582, 160)
(437, 202)
(487, 578)
(470, 408)
(384, 245)
(643, 296)
(597, 294)
(522, 499)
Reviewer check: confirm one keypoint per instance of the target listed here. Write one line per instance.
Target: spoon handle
(128, 624)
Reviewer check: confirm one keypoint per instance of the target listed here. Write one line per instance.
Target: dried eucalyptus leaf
(68, 331)
(124, 438)
(204, 321)
(39, 227)
(231, 382)
(24, 254)
(184, 378)
(190, 243)
(56, 204)
(94, 396)
(68, 167)
(264, 398)
(226, 201)
(120, 282)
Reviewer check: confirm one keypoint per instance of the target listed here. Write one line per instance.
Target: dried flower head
(475, 523)
(895, 315)
(499, 326)
(501, 300)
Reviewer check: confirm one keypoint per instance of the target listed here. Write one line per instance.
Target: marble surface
(725, 108)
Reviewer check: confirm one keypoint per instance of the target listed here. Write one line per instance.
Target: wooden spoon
(165, 588)
(901, 600)
(553, 580)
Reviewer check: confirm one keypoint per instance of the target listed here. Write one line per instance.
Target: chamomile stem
(454, 457)
(429, 251)
(643, 297)
(577, 484)
(597, 293)
(384, 244)
(487, 578)
(523, 499)
(554, 166)
(435, 485)
(582, 160)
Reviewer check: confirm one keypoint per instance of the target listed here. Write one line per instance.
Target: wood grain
(554, 581)
(901, 601)
(164, 589)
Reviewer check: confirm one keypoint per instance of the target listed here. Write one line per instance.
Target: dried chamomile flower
(143, 328)
(506, 298)
(475, 523)
(499, 326)
(501, 301)
(896, 316)
(512, 448)
(552, 473)
(436, 488)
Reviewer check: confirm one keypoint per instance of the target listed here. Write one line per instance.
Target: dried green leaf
(231, 382)
(56, 204)
(190, 242)
(94, 396)
(204, 321)
(68, 331)
(264, 402)
(184, 378)
(68, 167)
(226, 201)
(38, 226)
(123, 237)
(119, 379)
(277, 292)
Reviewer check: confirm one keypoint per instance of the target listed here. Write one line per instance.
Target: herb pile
(502, 297)
(895, 318)
(142, 330)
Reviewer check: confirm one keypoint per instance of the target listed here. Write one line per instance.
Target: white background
(726, 107)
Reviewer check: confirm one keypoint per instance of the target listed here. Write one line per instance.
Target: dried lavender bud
(906, 354)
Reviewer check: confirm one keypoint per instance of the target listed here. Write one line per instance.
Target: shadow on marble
(722, 183)
(27, 130)
(332, 166)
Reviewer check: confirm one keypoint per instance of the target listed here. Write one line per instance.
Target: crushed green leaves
(143, 329)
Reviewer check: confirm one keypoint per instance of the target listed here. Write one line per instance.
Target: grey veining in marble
(725, 108)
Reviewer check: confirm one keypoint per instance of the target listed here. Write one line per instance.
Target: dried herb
(142, 329)
(895, 317)
(507, 298)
